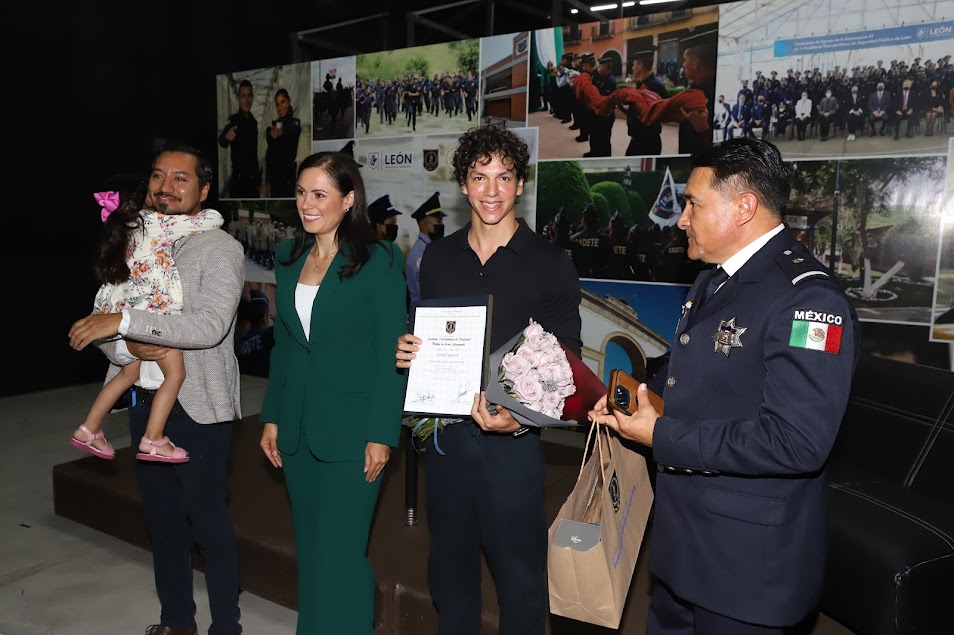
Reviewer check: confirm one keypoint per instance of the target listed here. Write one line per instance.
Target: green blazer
(340, 386)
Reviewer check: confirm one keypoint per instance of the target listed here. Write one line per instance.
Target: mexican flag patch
(816, 336)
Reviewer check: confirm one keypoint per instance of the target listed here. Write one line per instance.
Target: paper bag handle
(599, 443)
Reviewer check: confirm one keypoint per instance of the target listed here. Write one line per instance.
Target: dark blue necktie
(718, 276)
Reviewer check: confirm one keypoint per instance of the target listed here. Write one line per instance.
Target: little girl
(137, 271)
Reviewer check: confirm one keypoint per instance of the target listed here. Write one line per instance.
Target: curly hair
(483, 144)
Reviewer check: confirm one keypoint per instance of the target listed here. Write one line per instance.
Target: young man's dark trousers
(187, 503)
(487, 489)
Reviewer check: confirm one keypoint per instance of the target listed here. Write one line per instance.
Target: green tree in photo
(868, 192)
(602, 209)
(561, 186)
(616, 199)
(639, 209)
(418, 65)
(468, 55)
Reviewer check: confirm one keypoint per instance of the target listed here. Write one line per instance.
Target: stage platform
(104, 495)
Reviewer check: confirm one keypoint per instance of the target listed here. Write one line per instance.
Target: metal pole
(834, 215)
(410, 481)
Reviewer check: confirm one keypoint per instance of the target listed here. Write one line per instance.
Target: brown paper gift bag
(595, 538)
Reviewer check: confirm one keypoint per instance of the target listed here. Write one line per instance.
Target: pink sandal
(106, 453)
(149, 451)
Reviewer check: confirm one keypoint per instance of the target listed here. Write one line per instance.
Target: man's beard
(166, 208)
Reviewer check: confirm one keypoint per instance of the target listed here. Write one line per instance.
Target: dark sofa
(891, 508)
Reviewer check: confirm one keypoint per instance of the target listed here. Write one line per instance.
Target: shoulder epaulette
(798, 264)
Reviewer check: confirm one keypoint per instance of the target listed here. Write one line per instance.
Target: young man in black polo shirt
(487, 489)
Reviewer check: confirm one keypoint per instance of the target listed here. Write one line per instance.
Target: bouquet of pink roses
(540, 382)
(536, 372)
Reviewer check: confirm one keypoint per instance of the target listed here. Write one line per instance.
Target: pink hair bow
(109, 202)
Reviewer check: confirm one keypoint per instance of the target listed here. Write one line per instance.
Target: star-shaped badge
(728, 336)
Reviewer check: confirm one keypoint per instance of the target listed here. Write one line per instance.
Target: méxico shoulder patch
(816, 330)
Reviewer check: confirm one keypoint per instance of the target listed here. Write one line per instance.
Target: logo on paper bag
(614, 491)
(451, 327)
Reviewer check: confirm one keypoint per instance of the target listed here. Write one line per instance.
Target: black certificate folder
(451, 366)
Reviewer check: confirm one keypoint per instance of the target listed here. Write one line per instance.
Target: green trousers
(332, 507)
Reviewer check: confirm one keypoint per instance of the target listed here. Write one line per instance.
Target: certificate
(451, 366)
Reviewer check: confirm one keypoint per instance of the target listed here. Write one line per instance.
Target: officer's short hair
(753, 164)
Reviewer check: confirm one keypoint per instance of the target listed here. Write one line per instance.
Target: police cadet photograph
(617, 219)
(644, 89)
(272, 131)
(332, 104)
(430, 88)
(878, 86)
(240, 109)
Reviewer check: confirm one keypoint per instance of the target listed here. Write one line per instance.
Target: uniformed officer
(412, 98)
(582, 115)
(430, 222)
(563, 97)
(241, 135)
(698, 61)
(621, 260)
(643, 139)
(601, 128)
(384, 217)
(471, 85)
(562, 238)
(254, 345)
(640, 246)
(281, 167)
(595, 248)
(672, 255)
(755, 389)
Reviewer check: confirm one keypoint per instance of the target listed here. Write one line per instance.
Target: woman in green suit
(334, 400)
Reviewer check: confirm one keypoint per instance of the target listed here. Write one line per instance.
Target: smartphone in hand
(621, 395)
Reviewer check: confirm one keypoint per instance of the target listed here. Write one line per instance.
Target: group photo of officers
(615, 250)
(593, 131)
(260, 237)
(896, 100)
(393, 106)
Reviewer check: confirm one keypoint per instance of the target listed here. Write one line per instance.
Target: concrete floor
(61, 578)
(58, 577)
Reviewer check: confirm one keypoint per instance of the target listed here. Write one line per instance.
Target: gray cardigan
(211, 267)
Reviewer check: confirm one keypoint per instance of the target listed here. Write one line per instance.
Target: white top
(803, 108)
(304, 301)
(733, 264)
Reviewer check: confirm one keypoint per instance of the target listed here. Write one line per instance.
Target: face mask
(437, 232)
(827, 94)
(390, 233)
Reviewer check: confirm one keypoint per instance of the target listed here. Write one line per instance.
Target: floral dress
(153, 283)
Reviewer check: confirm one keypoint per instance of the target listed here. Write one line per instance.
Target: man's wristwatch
(522, 431)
